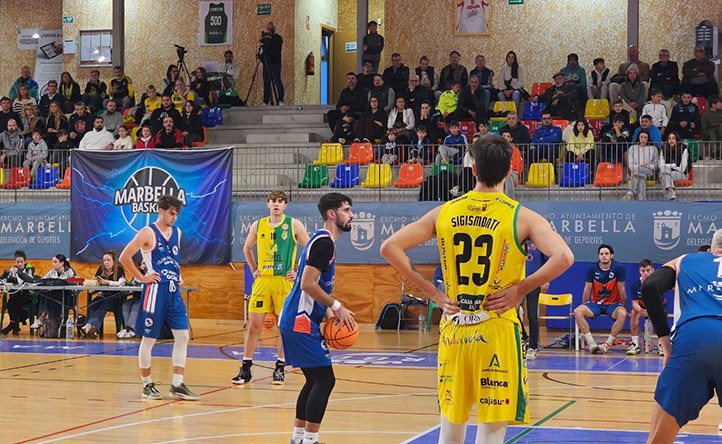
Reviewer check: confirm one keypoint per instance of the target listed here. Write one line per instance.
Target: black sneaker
(244, 375)
(279, 377)
(183, 392)
(151, 393)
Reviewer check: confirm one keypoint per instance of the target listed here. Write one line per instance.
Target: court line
(540, 422)
(618, 363)
(190, 415)
(325, 432)
(420, 435)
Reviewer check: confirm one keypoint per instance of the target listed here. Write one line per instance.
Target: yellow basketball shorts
(268, 294)
(482, 364)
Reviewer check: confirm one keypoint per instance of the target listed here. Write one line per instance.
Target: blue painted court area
(539, 435)
(612, 362)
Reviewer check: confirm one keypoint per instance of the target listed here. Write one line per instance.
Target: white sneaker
(37, 324)
(531, 354)
(129, 334)
(86, 328)
(593, 348)
(633, 350)
(603, 347)
(121, 334)
(280, 104)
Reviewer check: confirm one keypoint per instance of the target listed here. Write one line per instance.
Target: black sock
(247, 362)
(280, 363)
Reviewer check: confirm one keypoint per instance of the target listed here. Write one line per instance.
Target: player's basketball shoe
(633, 350)
(183, 392)
(279, 377)
(244, 375)
(603, 347)
(530, 354)
(151, 393)
(593, 348)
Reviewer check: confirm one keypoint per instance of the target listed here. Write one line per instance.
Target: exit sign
(516, 2)
(68, 20)
(263, 9)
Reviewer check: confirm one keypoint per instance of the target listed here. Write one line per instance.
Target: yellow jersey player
(275, 238)
(481, 237)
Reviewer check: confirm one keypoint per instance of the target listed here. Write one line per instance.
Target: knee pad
(144, 352)
(451, 433)
(491, 433)
(180, 347)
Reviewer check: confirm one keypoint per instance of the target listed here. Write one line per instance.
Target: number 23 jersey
(479, 249)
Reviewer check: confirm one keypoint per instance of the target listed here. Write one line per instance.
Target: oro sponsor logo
(488, 382)
(493, 401)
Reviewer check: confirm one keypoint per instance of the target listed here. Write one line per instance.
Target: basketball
(337, 334)
(269, 321)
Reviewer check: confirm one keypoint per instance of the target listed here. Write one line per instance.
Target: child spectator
(454, 146)
(37, 153)
(712, 127)
(482, 130)
(580, 147)
(344, 130)
(123, 142)
(598, 81)
(614, 141)
(420, 149)
(685, 119)
(643, 162)
(61, 150)
(517, 166)
(449, 101)
(618, 110)
(656, 109)
(388, 151)
(146, 138)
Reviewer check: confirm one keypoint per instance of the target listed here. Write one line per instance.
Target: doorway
(326, 73)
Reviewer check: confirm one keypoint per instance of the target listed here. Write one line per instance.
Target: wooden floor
(91, 394)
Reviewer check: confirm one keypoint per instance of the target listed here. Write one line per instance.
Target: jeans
(532, 311)
(99, 307)
(130, 311)
(272, 72)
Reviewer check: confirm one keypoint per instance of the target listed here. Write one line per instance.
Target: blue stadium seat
(533, 111)
(574, 175)
(47, 177)
(347, 176)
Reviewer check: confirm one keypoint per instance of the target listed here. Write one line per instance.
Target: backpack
(391, 318)
(51, 326)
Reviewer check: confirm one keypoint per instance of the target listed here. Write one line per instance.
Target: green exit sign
(516, 2)
(68, 19)
(263, 9)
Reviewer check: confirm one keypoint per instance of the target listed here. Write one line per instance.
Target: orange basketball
(269, 321)
(338, 335)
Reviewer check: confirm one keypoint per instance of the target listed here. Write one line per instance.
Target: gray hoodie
(12, 144)
(633, 92)
(39, 150)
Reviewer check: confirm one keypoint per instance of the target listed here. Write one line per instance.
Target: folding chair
(561, 300)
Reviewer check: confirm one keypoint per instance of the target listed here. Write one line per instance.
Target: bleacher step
(276, 119)
(278, 138)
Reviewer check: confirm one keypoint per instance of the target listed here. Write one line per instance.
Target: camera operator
(270, 54)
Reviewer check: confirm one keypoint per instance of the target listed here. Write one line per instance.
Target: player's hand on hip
(346, 316)
(291, 275)
(448, 306)
(150, 278)
(544, 287)
(256, 274)
(504, 300)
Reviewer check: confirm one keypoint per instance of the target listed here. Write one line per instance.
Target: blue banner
(42, 230)
(114, 195)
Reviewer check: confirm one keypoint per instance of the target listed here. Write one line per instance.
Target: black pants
(532, 312)
(272, 78)
(16, 306)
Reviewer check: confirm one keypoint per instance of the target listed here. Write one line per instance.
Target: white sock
(146, 380)
(589, 338)
(177, 380)
(635, 340)
(310, 438)
(610, 339)
(298, 435)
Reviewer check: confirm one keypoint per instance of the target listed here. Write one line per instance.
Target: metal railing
(603, 173)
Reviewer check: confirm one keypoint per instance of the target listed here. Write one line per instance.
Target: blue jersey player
(305, 307)
(693, 361)
(161, 301)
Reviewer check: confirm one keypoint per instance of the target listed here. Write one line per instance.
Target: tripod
(261, 56)
(183, 68)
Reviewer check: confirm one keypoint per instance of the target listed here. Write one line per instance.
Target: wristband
(336, 305)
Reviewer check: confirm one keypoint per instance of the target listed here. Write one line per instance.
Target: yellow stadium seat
(541, 175)
(2, 175)
(559, 300)
(330, 154)
(378, 176)
(597, 109)
(504, 107)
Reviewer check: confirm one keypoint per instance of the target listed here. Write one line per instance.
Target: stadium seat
(608, 174)
(686, 183)
(442, 167)
(538, 88)
(575, 174)
(597, 109)
(541, 175)
(347, 176)
(468, 128)
(561, 123)
(532, 125)
(378, 176)
(315, 176)
(65, 184)
(330, 154)
(212, 116)
(596, 126)
(533, 111)
(693, 148)
(430, 311)
(701, 103)
(361, 153)
(411, 175)
(134, 134)
(46, 177)
(559, 300)
(495, 125)
(19, 177)
(2, 175)
(504, 106)
(201, 142)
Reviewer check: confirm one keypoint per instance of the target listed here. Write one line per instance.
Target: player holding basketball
(275, 238)
(481, 236)
(161, 301)
(693, 367)
(306, 306)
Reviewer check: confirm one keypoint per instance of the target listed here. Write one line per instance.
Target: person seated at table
(110, 274)
(20, 273)
(131, 307)
(52, 304)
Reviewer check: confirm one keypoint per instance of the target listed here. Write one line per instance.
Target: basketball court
(88, 391)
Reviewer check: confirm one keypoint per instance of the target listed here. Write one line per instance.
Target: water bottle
(69, 327)
(647, 336)
(422, 322)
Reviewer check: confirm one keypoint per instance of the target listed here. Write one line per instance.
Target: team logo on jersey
(284, 235)
(494, 361)
(362, 231)
(175, 249)
(148, 322)
(667, 229)
(140, 193)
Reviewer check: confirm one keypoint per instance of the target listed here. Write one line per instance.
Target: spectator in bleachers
(580, 147)
(61, 149)
(545, 141)
(618, 110)
(123, 142)
(388, 151)
(95, 92)
(121, 89)
(169, 136)
(561, 99)
(615, 141)
(79, 124)
(396, 75)
(486, 79)
(27, 80)
(633, 92)
(415, 94)
(454, 147)
(146, 139)
(712, 127)
(352, 101)
(453, 72)
(180, 94)
(55, 122)
(598, 81)
(37, 153)
(482, 130)
(99, 138)
(372, 46)
(109, 274)
(7, 113)
(517, 163)
(401, 116)
(674, 164)
(166, 109)
(427, 76)
(431, 119)
(372, 124)
(655, 109)
(449, 101)
(643, 163)
(365, 79)
(12, 144)
(419, 150)
(511, 80)
(665, 75)
(229, 68)
(698, 75)
(171, 75)
(200, 87)
(23, 99)
(518, 130)
(70, 90)
(51, 96)
(576, 77)
(645, 124)
(344, 131)
(113, 119)
(643, 73)
(685, 119)
(31, 122)
(151, 103)
(471, 101)
(191, 124)
(382, 91)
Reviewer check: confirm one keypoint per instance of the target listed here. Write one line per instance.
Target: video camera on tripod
(181, 51)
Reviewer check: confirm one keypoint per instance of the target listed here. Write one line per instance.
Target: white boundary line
(325, 432)
(427, 431)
